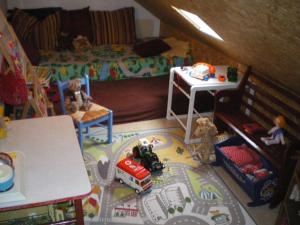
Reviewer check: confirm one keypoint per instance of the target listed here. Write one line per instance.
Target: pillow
(178, 48)
(76, 22)
(31, 52)
(113, 27)
(23, 24)
(42, 13)
(240, 155)
(150, 48)
(46, 32)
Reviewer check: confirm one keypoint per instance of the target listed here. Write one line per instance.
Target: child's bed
(107, 62)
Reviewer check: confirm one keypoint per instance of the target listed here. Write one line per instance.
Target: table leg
(170, 93)
(79, 212)
(190, 117)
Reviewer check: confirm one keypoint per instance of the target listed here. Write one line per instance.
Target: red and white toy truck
(133, 174)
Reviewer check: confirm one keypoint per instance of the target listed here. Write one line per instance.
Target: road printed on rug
(185, 193)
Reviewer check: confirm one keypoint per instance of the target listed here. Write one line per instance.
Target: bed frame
(259, 99)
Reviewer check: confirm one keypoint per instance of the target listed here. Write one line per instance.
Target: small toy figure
(276, 132)
(206, 130)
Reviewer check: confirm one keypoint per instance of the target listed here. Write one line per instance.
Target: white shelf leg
(190, 116)
(170, 93)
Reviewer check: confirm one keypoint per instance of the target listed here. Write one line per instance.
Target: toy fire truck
(134, 175)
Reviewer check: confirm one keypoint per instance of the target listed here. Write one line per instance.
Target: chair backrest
(63, 85)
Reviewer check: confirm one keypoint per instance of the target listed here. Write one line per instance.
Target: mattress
(107, 62)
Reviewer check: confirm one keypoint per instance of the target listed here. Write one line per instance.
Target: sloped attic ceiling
(261, 33)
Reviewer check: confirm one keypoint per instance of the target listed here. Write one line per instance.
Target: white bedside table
(213, 84)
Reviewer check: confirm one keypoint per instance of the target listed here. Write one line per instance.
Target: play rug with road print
(185, 193)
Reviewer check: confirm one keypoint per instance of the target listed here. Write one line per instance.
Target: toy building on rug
(206, 131)
(79, 105)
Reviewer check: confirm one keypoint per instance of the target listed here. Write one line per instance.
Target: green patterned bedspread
(107, 62)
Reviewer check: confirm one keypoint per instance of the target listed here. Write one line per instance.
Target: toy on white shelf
(276, 132)
(134, 175)
(207, 131)
(203, 71)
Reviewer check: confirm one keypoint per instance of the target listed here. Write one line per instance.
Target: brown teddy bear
(76, 99)
(78, 104)
(207, 131)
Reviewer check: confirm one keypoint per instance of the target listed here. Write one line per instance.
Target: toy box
(261, 190)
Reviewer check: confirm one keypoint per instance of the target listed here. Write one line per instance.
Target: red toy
(133, 174)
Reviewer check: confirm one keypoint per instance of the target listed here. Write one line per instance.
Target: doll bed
(107, 62)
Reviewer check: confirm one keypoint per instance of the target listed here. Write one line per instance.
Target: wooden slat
(266, 119)
(271, 153)
(274, 100)
(278, 87)
(274, 112)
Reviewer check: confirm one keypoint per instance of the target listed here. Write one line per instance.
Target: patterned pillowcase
(113, 27)
(46, 32)
(23, 24)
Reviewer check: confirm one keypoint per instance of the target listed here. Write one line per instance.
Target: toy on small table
(276, 132)
(134, 175)
(2, 122)
(203, 71)
(206, 130)
(232, 74)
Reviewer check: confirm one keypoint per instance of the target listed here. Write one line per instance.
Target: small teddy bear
(76, 99)
(79, 105)
(206, 130)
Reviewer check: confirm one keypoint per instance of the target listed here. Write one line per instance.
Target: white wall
(147, 25)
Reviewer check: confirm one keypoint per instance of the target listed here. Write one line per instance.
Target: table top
(53, 167)
(211, 84)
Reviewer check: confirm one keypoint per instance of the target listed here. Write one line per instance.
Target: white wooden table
(213, 84)
(53, 167)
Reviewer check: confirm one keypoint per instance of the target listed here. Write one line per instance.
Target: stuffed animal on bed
(81, 44)
(207, 131)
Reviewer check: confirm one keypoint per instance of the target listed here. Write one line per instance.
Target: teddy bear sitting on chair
(207, 131)
(79, 105)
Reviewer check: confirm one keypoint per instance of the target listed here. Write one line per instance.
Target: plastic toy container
(6, 177)
(261, 190)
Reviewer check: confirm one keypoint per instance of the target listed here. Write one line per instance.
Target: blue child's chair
(81, 126)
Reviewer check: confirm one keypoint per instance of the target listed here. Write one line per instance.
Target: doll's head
(279, 121)
(74, 85)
